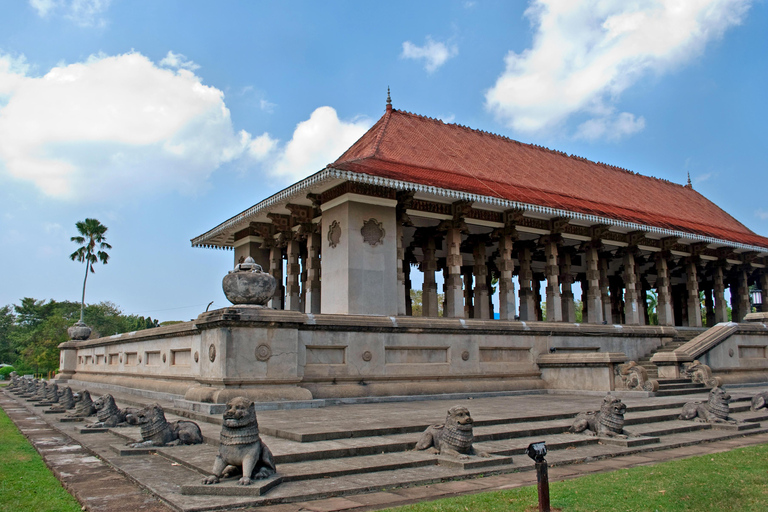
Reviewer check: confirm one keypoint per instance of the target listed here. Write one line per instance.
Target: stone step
(663, 386)
(676, 392)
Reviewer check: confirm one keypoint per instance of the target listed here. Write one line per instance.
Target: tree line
(30, 332)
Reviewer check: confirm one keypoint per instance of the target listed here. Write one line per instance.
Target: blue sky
(162, 119)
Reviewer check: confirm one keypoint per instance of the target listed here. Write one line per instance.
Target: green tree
(92, 249)
(653, 303)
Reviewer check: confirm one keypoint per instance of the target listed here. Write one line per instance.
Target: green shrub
(5, 371)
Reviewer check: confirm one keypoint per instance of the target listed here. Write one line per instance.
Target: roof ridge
(539, 147)
(377, 142)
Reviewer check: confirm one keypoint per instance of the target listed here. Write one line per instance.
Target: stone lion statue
(759, 401)
(52, 394)
(110, 416)
(700, 373)
(241, 450)
(453, 438)
(83, 406)
(66, 400)
(608, 421)
(714, 410)
(157, 431)
(632, 376)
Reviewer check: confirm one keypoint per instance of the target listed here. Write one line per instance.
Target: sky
(163, 119)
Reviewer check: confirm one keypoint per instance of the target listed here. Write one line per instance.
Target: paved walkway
(99, 486)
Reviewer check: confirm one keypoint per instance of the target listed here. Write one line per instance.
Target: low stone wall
(284, 355)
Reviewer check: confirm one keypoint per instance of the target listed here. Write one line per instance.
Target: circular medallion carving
(163, 358)
(197, 356)
(465, 355)
(373, 232)
(120, 359)
(263, 352)
(334, 234)
(139, 359)
(367, 356)
(730, 352)
(212, 352)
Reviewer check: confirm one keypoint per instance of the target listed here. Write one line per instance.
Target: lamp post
(537, 452)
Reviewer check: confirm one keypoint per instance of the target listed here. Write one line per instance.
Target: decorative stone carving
(701, 374)
(241, 447)
(608, 421)
(453, 438)
(334, 234)
(52, 394)
(367, 356)
(633, 377)
(164, 357)
(373, 232)
(465, 355)
(109, 415)
(197, 356)
(212, 352)
(79, 331)
(83, 406)
(248, 284)
(715, 410)
(759, 401)
(66, 401)
(263, 352)
(157, 431)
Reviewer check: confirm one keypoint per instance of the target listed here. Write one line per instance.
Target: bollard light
(537, 451)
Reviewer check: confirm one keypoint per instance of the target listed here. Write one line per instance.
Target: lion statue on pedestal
(714, 410)
(454, 437)
(608, 421)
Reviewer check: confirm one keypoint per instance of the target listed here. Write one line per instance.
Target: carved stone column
(617, 299)
(454, 296)
(507, 306)
(469, 299)
(742, 306)
(709, 306)
(312, 297)
(692, 293)
(408, 284)
(566, 296)
(605, 283)
(593, 301)
(276, 270)
(429, 288)
(631, 306)
(721, 306)
(480, 272)
(401, 264)
(525, 281)
(764, 291)
(663, 292)
(537, 279)
(554, 302)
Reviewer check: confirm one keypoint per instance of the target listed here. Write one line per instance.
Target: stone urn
(79, 331)
(248, 284)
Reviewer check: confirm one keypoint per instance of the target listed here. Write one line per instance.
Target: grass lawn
(26, 483)
(729, 481)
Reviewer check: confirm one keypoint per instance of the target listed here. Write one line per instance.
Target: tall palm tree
(92, 244)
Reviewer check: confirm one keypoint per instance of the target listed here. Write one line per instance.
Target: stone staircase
(683, 336)
(360, 448)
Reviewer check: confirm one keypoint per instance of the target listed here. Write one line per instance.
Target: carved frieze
(334, 234)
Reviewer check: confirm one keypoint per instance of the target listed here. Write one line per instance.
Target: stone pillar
(605, 297)
(593, 306)
(359, 256)
(709, 306)
(252, 246)
(566, 296)
(454, 296)
(631, 309)
(764, 291)
(721, 307)
(293, 271)
(741, 307)
(537, 298)
(276, 270)
(663, 292)
(407, 290)
(525, 280)
(693, 302)
(645, 317)
(402, 291)
(480, 272)
(554, 302)
(507, 307)
(617, 300)
(429, 288)
(312, 286)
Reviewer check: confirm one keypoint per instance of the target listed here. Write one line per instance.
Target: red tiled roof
(426, 151)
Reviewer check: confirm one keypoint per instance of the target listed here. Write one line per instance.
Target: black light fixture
(537, 451)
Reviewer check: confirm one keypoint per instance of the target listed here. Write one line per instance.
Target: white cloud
(761, 214)
(178, 61)
(433, 53)
(85, 13)
(267, 106)
(585, 54)
(115, 125)
(316, 142)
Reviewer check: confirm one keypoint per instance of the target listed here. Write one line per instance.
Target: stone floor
(357, 456)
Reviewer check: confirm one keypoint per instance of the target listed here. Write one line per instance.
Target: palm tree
(92, 244)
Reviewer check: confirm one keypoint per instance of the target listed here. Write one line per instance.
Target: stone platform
(356, 449)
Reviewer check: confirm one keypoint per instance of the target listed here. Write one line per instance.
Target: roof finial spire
(389, 101)
(690, 185)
